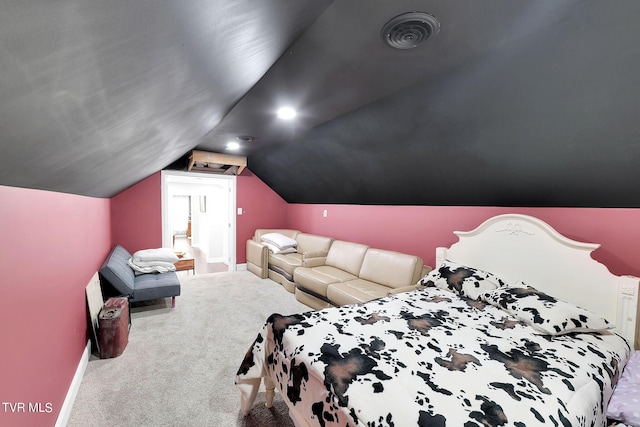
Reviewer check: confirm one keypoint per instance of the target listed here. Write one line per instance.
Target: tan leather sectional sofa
(325, 272)
(311, 251)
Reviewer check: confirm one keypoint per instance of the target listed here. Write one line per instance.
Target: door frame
(200, 178)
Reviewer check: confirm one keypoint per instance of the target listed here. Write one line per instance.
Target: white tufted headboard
(523, 248)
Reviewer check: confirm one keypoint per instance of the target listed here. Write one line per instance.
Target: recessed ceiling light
(286, 113)
(233, 146)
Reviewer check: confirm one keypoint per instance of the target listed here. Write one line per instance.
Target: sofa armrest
(314, 258)
(404, 289)
(314, 254)
(257, 259)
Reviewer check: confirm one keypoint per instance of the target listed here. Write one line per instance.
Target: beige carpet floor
(179, 366)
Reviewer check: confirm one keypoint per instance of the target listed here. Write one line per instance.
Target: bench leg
(173, 302)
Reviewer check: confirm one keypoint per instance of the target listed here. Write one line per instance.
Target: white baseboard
(241, 267)
(65, 411)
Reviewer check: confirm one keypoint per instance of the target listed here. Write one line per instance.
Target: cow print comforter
(432, 358)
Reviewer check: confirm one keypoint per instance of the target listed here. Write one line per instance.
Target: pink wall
(262, 208)
(136, 215)
(137, 222)
(52, 244)
(420, 229)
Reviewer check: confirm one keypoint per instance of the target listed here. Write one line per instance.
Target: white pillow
(279, 240)
(277, 250)
(159, 254)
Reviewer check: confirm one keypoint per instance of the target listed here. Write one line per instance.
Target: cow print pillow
(543, 312)
(465, 281)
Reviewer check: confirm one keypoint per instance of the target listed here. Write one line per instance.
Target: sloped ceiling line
(514, 103)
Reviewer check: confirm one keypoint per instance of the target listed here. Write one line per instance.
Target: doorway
(198, 218)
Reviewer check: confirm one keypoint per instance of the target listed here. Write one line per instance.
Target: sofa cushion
(286, 262)
(311, 243)
(158, 285)
(389, 268)
(331, 273)
(116, 271)
(346, 256)
(316, 279)
(355, 291)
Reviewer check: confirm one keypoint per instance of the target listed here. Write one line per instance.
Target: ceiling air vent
(245, 138)
(410, 29)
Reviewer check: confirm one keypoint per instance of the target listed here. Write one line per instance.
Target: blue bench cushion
(156, 285)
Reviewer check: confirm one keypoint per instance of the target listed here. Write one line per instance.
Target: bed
(516, 325)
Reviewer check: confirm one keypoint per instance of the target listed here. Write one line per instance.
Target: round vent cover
(408, 30)
(245, 138)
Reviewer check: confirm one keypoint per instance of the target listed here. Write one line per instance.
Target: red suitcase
(113, 327)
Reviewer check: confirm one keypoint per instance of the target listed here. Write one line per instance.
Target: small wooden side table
(186, 264)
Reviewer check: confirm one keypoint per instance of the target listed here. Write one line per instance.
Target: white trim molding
(67, 405)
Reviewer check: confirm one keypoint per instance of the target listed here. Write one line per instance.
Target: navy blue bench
(116, 273)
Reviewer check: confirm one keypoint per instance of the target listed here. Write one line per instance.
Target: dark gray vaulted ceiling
(512, 103)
